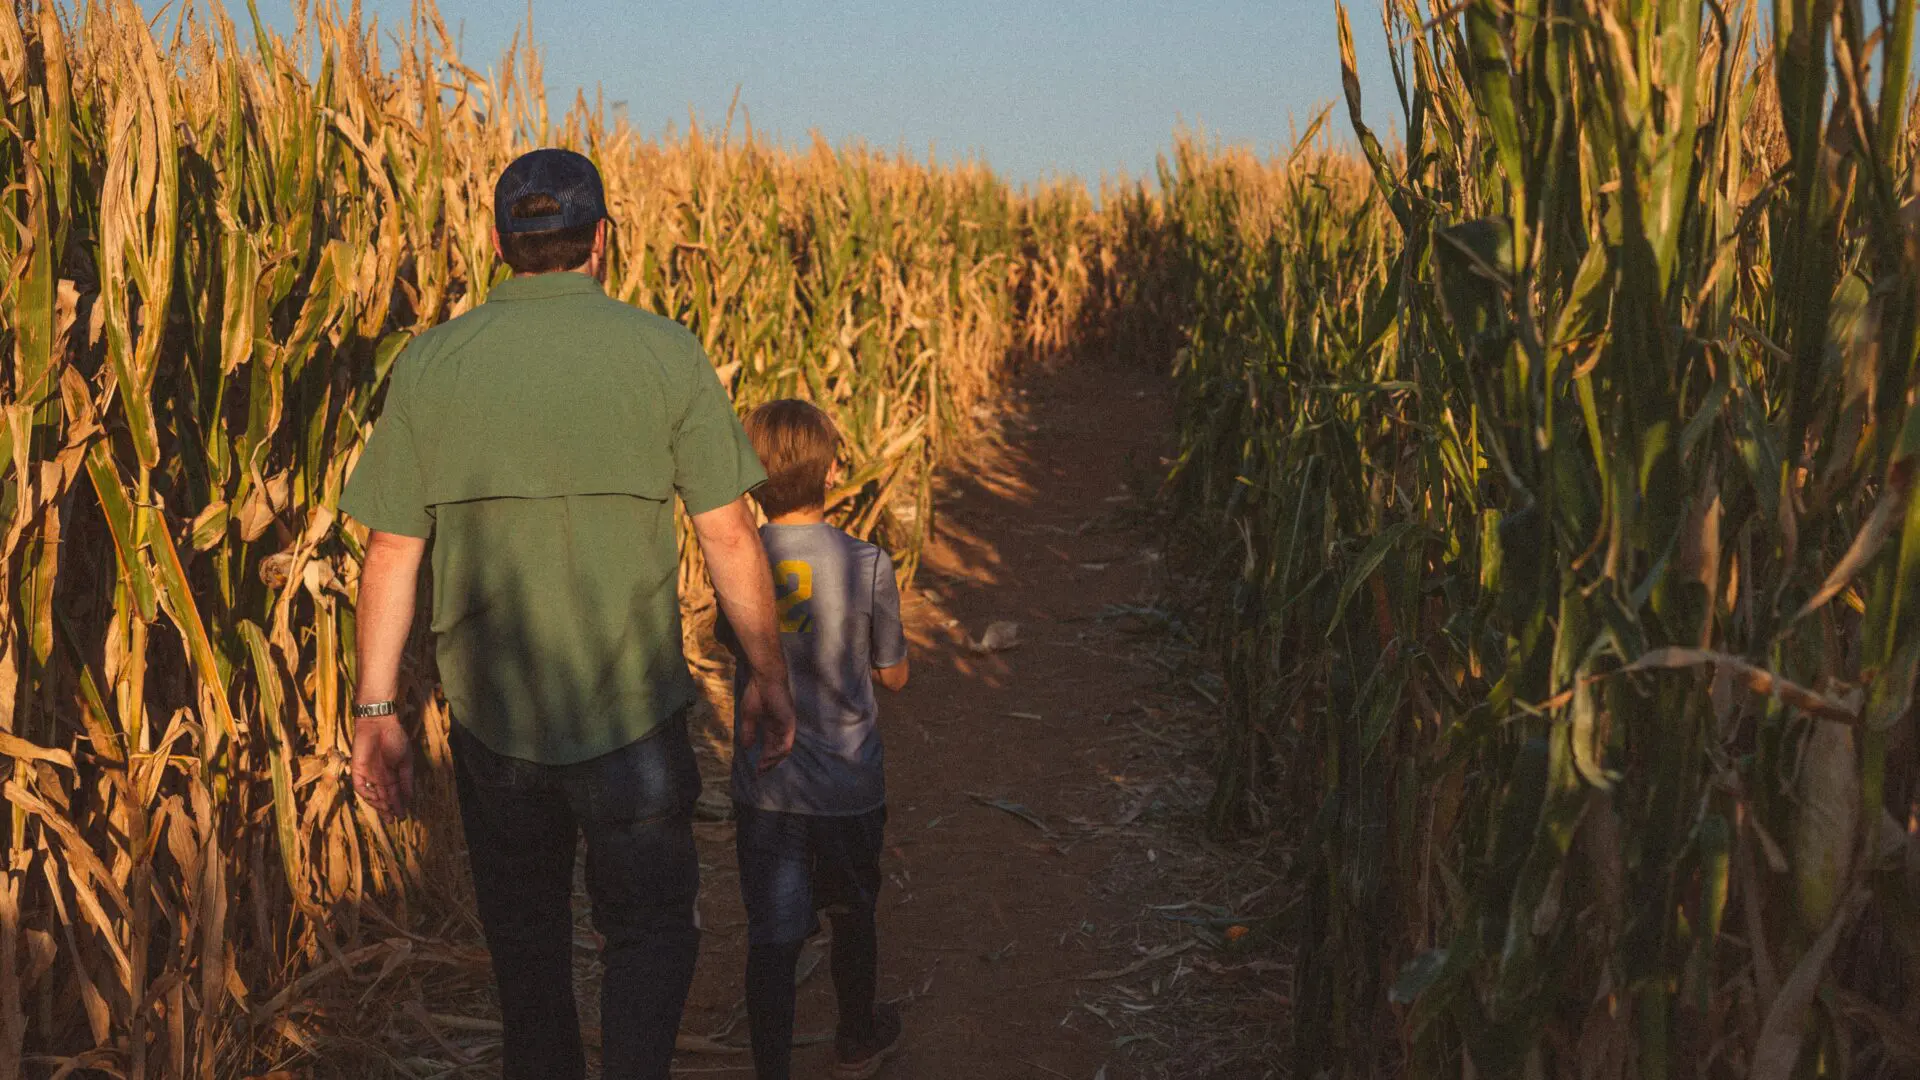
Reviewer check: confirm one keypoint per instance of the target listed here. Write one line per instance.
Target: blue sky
(1032, 86)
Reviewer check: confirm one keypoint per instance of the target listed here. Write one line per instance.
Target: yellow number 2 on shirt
(793, 586)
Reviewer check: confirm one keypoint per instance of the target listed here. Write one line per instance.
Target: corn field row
(1568, 451)
(214, 255)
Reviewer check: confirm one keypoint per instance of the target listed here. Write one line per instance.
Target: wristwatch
(372, 709)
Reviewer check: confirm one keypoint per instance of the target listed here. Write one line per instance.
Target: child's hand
(766, 718)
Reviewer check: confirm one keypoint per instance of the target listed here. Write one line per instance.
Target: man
(539, 442)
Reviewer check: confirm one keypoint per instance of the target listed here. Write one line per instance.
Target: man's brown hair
(797, 444)
(548, 251)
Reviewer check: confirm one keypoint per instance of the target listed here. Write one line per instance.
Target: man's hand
(743, 582)
(766, 718)
(383, 765)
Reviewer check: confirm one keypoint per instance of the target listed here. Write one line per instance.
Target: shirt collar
(544, 286)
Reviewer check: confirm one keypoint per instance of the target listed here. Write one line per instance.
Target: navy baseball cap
(569, 178)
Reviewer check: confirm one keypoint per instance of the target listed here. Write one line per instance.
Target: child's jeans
(792, 865)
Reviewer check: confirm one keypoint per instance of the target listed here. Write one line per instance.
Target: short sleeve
(386, 491)
(889, 636)
(713, 461)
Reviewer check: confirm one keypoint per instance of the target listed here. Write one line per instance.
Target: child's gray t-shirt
(839, 613)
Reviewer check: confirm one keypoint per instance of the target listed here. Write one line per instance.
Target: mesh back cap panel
(566, 177)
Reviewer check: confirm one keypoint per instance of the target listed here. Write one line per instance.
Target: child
(809, 829)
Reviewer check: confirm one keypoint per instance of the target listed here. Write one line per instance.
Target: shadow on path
(1028, 788)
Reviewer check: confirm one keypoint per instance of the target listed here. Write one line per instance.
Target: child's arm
(893, 678)
(889, 654)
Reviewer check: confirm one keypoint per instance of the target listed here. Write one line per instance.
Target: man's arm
(743, 582)
(389, 582)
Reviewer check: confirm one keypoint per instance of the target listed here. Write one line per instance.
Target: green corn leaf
(1370, 559)
(123, 523)
(177, 597)
(280, 755)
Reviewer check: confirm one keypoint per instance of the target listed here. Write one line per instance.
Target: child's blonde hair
(797, 444)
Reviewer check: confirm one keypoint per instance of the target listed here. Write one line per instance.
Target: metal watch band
(374, 708)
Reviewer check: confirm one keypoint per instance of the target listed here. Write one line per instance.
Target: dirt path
(1029, 788)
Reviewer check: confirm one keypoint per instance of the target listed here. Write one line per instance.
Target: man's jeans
(523, 821)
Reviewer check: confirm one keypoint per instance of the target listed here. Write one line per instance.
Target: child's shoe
(858, 1059)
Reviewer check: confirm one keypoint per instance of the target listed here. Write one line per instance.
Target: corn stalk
(1579, 545)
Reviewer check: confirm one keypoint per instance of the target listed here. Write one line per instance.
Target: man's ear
(494, 231)
(597, 262)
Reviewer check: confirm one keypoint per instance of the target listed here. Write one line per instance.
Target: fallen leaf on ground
(1000, 636)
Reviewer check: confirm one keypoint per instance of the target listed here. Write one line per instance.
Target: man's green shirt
(539, 440)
